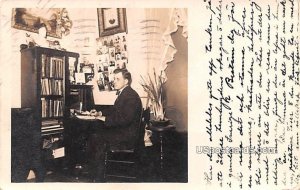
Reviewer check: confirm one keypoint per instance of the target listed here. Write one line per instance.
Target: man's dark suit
(123, 118)
(119, 128)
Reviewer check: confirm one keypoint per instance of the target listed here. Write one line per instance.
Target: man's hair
(125, 73)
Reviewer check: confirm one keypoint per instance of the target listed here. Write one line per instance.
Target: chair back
(140, 132)
(134, 156)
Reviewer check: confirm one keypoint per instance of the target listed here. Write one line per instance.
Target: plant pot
(160, 123)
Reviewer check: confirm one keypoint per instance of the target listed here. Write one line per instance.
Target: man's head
(122, 78)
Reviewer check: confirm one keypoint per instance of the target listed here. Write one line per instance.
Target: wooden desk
(77, 132)
(161, 130)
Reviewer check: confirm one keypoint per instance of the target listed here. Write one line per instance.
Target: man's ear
(126, 81)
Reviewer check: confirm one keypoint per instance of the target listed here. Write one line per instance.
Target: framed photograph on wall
(88, 77)
(111, 21)
(112, 53)
(30, 19)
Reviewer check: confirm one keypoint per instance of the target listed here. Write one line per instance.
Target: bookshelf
(45, 86)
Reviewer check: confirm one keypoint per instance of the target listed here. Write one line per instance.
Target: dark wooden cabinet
(25, 146)
(45, 87)
(81, 94)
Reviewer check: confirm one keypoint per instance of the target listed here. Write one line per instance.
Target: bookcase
(45, 88)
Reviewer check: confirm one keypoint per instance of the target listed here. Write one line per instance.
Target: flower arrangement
(64, 22)
(153, 86)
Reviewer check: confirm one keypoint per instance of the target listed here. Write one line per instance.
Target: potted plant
(153, 86)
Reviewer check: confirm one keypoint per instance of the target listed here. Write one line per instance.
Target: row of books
(51, 87)
(52, 66)
(52, 108)
(52, 126)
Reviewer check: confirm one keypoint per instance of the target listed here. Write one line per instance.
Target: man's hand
(93, 112)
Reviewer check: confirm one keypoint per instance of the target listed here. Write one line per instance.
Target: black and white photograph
(112, 53)
(121, 64)
(102, 50)
(165, 94)
(139, 137)
(103, 58)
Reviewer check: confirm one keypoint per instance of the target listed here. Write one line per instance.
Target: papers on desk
(86, 117)
(82, 112)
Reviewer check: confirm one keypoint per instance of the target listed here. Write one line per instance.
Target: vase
(160, 123)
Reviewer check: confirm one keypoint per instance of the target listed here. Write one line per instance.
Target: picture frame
(88, 77)
(111, 21)
(86, 68)
(112, 53)
(29, 19)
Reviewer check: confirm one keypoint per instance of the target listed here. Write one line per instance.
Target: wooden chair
(127, 159)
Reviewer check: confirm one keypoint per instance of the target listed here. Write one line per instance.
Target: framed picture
(88, 77)
(112, 52)
(111, 21)
(86, 68)
(29, 19)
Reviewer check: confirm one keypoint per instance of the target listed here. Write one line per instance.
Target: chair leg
(105, 166)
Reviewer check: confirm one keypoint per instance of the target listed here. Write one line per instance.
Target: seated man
(119, 124)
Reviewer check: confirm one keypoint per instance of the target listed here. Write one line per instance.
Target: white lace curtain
(149, 40)
(157, 27)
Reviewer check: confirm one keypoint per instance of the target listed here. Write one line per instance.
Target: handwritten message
(252, 116)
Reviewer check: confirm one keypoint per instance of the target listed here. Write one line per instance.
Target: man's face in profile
(119, 81)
